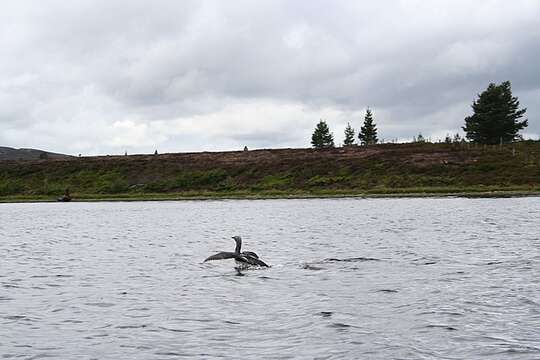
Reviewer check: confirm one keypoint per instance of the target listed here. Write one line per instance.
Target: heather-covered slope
(380, 169)
(7, 153)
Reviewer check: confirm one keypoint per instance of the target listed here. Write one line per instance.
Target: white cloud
(104, 77)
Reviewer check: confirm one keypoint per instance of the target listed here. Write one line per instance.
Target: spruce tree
(368, 132)
(495, 116)
(349, 135)
(322, 137)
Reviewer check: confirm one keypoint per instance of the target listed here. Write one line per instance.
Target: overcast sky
(104, 77)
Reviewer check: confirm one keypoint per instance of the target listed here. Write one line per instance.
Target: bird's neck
(238, 247)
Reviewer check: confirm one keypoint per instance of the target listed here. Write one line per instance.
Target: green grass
(492, 191)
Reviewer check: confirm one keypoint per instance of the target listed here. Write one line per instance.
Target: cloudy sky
(104, 77)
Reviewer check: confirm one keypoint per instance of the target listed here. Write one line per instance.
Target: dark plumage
(244, 259)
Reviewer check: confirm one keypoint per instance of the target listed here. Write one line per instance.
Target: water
(350, 278)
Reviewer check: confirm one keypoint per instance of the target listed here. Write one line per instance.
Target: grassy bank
(425, 193)
(419, 169)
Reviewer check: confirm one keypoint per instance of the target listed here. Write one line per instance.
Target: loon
(243, 259)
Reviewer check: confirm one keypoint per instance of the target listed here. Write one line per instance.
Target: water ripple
(350, 278)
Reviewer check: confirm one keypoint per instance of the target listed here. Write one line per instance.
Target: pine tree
(368, 132)
(322, 137)
(349, 135)
(495, 117)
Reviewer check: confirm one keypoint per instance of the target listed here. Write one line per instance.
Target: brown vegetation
(382, 168)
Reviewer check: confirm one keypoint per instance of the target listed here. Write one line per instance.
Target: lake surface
(350, 278)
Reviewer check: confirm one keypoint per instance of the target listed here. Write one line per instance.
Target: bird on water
(243, 259)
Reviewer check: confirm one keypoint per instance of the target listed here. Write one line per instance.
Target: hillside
(7, 153)
(381, 169)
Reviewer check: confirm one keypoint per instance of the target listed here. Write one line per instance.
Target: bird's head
(237, 239)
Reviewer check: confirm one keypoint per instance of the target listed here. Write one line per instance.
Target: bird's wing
(250, 253)
(253, 260)
(221, 256)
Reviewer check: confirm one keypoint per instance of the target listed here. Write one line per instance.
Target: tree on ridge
(495, 116)
(322, 137)
(368, 132)
(349, 135)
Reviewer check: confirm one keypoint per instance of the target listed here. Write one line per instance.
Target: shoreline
(284, 196)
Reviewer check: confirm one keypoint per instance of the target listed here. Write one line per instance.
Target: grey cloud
(415, 63)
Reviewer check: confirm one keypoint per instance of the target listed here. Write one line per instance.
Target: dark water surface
(350, 279)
